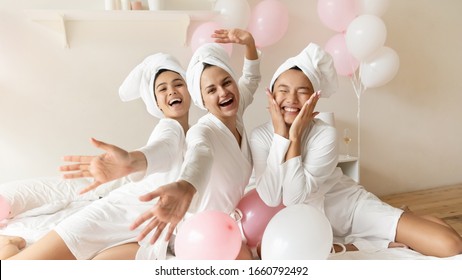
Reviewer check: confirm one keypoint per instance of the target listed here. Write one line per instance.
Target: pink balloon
(202, 34)
(268, 22)
(5, 208)
(337, 14)
(255, 216)
(208, 235)
(345, 64)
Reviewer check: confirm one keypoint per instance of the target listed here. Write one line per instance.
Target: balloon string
(359, 90)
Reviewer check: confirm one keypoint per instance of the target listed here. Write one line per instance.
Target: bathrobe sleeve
(198, 161)
(249, 81)
(268, 153)
(302, 179)
(162, 148)
(307, 178)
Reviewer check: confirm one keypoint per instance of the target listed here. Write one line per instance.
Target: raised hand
(115, 163)
(172, 205)
(237, 36)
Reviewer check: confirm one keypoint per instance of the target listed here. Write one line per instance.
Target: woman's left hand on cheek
(305, 116)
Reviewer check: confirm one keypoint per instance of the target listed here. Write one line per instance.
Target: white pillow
(24, 195)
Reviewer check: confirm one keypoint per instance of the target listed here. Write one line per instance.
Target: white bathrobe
(105, 223)
(356, 215)
(214, 163)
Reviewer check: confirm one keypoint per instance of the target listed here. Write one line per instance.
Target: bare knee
(450, 246)
(427, 236)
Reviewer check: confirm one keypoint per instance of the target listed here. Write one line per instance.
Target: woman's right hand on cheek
(277, 118)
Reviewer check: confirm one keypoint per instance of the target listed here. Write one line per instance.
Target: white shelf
(345, 158)
(56, 19)
(349, 166)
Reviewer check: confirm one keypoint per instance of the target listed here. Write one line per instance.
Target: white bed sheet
(34, 223)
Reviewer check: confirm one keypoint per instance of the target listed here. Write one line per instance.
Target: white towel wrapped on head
(210, 53)
(140, 81)
(317, 65)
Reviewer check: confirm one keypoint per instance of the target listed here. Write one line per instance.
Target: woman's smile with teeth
(226, 102)
(174, 101)
(291, 109)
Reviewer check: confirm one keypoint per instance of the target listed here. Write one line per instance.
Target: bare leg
(121, 252)
(10, 246)
(49, 247)
(437, 220)
(428, 237)
(427, 217)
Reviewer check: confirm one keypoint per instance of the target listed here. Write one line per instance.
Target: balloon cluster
(268, 22)
(285, 233)
(359, 41)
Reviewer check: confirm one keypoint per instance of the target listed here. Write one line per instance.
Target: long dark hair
(155, 79)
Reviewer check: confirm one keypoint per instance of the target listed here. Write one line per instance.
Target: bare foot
(17, 241)
(397, 245)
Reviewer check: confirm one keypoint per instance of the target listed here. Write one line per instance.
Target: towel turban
(317, 65)
(140, 81)
(210, 53)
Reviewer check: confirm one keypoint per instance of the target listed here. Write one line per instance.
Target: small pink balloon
(202, 34)
(337, 14)
(255, 216)
(268, 22)
(208, 235)
(5, 208)
(344, 62)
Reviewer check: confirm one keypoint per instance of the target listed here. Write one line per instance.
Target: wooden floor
(442, 202)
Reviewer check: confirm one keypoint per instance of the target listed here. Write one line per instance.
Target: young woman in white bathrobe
(101, 230)
(295, 159)
(218, 163)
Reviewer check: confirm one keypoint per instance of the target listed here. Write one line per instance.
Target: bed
(37, 205)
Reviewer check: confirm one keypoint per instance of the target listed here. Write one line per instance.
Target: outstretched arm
(173, 203)
(115, 163)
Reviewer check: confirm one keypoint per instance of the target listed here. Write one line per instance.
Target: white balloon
(372, 7)
(380, 68)
(234, 13)
(297, 232)
(365, 35)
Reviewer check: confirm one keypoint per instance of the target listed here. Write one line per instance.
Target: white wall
(52, 99)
